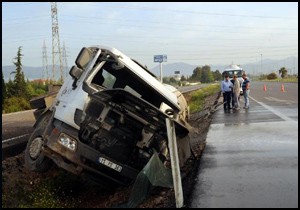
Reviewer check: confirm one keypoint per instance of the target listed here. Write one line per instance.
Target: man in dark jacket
(246, 90)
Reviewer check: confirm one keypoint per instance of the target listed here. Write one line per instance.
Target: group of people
(231, 92)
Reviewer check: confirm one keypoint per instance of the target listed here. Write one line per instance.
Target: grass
(197, 98)
(288, 79)
(60, 191)
(282, 80)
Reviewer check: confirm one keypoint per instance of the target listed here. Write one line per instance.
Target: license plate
(110, 164)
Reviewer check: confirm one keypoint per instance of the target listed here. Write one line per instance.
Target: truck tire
(35, 160)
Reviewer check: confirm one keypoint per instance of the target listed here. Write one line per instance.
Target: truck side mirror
(75, 73)
(83, 58)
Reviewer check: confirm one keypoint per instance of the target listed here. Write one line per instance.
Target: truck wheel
(35, 160)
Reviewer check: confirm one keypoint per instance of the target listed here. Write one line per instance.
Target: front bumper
(85, 159)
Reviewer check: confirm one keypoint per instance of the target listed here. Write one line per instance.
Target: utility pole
(294, 71)
(256, 67)
(261, 63)
(56, 50)
(45, 63)
(161, 73)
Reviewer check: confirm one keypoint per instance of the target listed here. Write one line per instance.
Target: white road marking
(279, 100)
(273, 110)
(17, 137)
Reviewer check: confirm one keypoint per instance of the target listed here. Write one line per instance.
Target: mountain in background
(268, 66)
(169, 69)
(30, 72)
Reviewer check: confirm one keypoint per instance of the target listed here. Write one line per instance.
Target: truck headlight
(67, 141)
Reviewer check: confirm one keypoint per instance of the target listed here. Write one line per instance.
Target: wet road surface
(251, 156)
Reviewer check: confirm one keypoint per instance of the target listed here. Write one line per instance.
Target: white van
(234, 70)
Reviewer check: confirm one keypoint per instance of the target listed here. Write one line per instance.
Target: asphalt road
(16, 129)
(185, 89)
(251, 156)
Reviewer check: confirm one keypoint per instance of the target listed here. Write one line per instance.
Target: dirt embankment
(57, 188)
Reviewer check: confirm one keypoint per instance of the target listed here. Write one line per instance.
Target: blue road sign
(160, 58)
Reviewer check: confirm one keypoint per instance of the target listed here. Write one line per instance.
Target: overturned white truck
(108, 119)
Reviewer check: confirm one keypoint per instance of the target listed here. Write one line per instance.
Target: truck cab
(108, 119)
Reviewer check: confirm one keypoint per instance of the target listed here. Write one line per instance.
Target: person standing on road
(246, 90)
(226, 88)
(235, 93)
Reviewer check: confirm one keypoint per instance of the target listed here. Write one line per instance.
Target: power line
(32, 20)
(175, 28)
(175, 23)
(10, 38)
(168, 10)
(24, 18)
(18, 3)
(192, 12)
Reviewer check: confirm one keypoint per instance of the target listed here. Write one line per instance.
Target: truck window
(104, 79)
(109, 79)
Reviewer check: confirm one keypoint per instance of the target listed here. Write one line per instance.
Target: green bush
(15, 104)
(272, 76)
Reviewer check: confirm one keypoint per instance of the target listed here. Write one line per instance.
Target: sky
(208, 33)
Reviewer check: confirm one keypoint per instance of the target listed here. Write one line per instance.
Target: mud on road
(57, 188)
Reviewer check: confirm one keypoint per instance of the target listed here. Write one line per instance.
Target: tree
(10, 89)
(166, 80)
(263, 77)
(3, 90)
(206, 75)
(196, 76)
(217, 75)
(20, 89)
(283, 72)
(272, 76)
(172, 80)
(183, 78)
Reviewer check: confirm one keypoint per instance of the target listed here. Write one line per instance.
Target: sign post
(160, 59)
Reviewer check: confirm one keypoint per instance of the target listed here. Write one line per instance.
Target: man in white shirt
(235, 92)
(226, 88)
